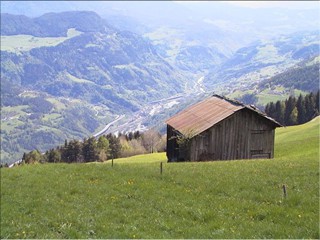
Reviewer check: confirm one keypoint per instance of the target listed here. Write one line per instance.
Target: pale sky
(268, 4)
(280, 4)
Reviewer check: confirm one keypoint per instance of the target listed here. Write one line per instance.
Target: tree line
(100, 149)
(293, 111)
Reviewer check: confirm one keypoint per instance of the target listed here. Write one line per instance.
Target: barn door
(258, 144)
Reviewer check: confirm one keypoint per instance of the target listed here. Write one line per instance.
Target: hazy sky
(281, 4)
(269, 4)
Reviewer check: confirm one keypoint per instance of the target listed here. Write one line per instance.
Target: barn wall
(243, 135)
(172, 147)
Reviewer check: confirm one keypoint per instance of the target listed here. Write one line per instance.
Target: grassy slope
(19, 43)
(228, 199)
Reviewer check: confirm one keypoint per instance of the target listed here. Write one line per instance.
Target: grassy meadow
(19, 43)
(131, 199)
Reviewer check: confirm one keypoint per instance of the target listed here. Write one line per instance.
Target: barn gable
(220, 128)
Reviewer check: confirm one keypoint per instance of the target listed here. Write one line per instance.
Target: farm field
(131, 199)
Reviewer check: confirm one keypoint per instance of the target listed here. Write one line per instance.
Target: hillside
(227, 199)
(69, 79)
(304, 76)
(265, 58)
(91, 63)
(298, 142)
(270, 70)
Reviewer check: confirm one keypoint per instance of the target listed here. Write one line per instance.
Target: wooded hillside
(294, 110)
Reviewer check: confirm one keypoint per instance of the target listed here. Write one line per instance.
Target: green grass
(227, 199)
(267, 95)
(78, 80)
(10, 117)
(148, 158)
(264, 98)
(19, 43)
(269, 54)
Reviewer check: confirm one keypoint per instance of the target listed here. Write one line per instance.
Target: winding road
(118, 118)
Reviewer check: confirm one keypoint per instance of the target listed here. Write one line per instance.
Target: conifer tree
(24, 157)
(293, 117)
(279, 116)
(301, 107)
(307, 107)
(90, 150)
(310, 106)
(74, 151)
(114, 145)
(290, 105)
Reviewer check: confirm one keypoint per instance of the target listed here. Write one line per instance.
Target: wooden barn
(219, 128)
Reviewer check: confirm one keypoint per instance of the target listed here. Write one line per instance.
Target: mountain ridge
(84, 21)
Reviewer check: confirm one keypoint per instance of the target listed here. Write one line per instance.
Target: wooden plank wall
(172, 147)
(243, 135)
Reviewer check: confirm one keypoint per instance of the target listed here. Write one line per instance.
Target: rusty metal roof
(203, 115)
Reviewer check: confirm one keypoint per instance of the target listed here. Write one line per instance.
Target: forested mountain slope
(71, 76)
(304, 76)
(264, 59)
(90, 64)
(270, 70)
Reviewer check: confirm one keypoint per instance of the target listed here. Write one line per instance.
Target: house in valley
(219, 128)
